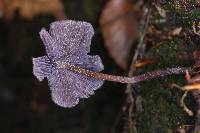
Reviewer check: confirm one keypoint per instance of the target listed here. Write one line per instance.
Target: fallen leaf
(31, 8)
(120, 29)
(144, 62)
(198, 2)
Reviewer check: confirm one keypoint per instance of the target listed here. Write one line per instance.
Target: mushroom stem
(121, 79)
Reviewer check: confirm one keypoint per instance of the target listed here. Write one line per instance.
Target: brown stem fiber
(121, 79)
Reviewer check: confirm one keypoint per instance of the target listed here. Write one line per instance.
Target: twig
(196, 95)
(138, 52)
(187, 110)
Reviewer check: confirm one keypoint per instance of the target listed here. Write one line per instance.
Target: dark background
(26, 105)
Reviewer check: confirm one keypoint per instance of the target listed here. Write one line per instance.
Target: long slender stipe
(122, 79)
(71, 72)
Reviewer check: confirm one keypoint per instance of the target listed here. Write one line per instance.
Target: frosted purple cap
(68, 41)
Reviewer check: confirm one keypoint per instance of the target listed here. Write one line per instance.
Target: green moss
(161, 107)
(161, 111)
(165, 54)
